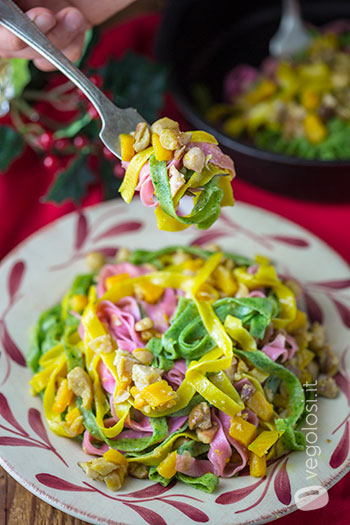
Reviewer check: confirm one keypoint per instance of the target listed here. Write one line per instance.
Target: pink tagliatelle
(242, 451)
(162, 312)
(176, 375)
(218, 158)
(89, 448)
(282, 345)
(220, 450)
(121, 323)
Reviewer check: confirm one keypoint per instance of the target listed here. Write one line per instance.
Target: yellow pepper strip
(131, 177)
(127, 146)
(53, 419)
(235, 329)
(157, 455)
(264, 441)
(63, 397)
(242, 431)
(267, 276)
(257, 465)
(167, 468)
(201, 136)
(160, 152)
(114, 279)
(259, 404)
(113, 456)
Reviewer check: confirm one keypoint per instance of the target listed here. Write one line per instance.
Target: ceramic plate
(35, 276)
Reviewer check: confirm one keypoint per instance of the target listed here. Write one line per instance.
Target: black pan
(201, 40)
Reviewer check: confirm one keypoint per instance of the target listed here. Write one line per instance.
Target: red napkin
(21, 213)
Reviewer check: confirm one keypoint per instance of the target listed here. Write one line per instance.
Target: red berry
(108, 154)
(61, 144)
(45, 140)
(50, 162)
(93, 112)
(97, 80)
(80, 141)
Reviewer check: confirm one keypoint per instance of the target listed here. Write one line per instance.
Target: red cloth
(22, 213)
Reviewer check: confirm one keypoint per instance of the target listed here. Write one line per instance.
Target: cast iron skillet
(200, 40)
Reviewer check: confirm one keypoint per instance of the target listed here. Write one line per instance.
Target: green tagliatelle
(187, 337)
(207, 208)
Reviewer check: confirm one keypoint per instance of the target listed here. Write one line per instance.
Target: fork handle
(13, 18)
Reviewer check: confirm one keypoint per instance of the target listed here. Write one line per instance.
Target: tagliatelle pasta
(180, 363)
(164, 164)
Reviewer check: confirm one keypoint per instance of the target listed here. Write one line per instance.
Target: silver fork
(114, 120)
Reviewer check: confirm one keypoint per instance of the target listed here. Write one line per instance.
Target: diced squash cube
(160, 152)
(148, 292)
(74, 422)
(127, 147)
(157, 394)
(167, 467)
(260, 406)
(114, 279)
(63, 397)
(257, 465)
(263, 442)
(242, 431)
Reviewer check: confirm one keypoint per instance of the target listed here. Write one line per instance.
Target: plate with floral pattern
(34, 277)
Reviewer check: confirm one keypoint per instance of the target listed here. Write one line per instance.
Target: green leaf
(136, 82)
(72, 183)
(74, 127)
(11, 146)
(110, 183)
(20, 75)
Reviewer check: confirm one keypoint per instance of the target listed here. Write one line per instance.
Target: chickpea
(194, 159)
(142, 137)
(95, 261)
(144, 324)
(164, 123)
(169, 139)
(80, 383)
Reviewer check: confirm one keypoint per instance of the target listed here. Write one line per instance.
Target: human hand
(64, 22)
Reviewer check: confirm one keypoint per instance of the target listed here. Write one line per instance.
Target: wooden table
(19, 507)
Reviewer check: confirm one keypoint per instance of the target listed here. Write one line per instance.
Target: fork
(114, 120)
(291, 36)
